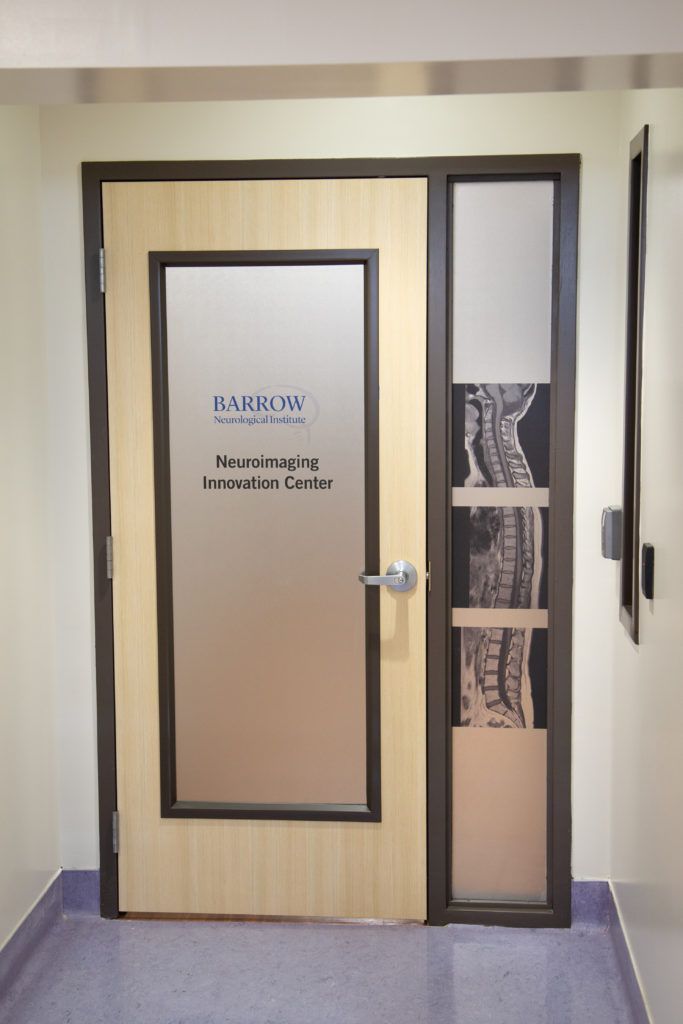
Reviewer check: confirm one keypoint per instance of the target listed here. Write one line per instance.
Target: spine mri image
(500, 554)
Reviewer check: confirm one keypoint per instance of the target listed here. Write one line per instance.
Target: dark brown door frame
(440, 172)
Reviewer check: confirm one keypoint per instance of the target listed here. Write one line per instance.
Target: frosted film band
(501, 618)
(500, 497)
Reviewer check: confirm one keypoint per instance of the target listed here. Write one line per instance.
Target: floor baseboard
(81, 890)
(626, 965)
(19, 948)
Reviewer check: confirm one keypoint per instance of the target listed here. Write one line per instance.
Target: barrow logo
(259, 402)
(286, 406)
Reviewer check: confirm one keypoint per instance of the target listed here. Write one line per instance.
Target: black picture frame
(629, 584)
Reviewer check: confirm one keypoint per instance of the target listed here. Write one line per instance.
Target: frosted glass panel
(499, 814)
(502, 282)
(266, 426)
(502, 330)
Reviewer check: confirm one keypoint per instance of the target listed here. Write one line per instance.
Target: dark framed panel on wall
(561, 175)
(635, 292)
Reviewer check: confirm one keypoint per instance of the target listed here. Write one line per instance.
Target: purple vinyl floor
(90, 971)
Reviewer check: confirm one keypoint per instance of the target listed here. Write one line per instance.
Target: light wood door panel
(298, 868)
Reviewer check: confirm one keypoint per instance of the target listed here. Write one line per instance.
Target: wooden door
(260, 866)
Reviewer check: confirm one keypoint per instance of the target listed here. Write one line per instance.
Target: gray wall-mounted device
(611, 532)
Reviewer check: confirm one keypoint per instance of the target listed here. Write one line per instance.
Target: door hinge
(115, 831)
(109, 554)
(103, 279)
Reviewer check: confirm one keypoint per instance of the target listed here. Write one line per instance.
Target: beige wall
(29, 839)
(647, 817)
(627, 778)
(585, 123)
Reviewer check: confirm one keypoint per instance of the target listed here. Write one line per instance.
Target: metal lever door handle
(399, 576)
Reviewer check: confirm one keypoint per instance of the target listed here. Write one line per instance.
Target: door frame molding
(563, 169)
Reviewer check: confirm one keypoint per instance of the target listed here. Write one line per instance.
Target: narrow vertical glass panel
(502, 246)
(502, 294)
(499, 814)
(266, 384)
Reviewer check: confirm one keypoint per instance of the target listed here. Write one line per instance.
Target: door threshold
(136, 915)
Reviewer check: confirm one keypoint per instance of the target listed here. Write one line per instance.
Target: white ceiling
(219, 33)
